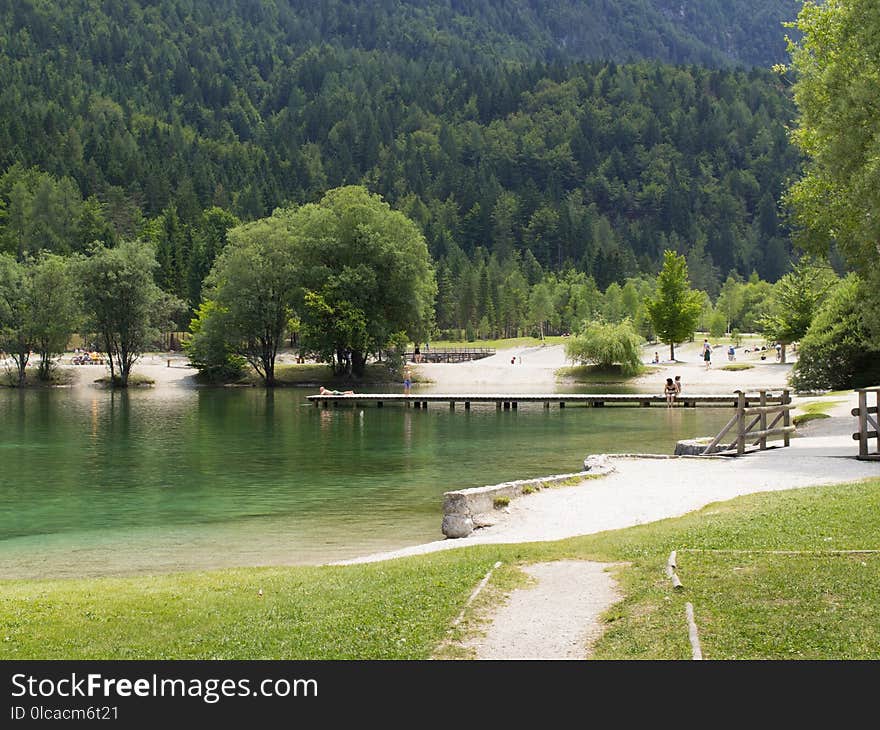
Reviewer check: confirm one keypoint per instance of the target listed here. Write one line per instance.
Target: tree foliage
(675, 308)
(796, 297)
(55, 310)
(364, 274)
(16, 332)
(837, 65)
(122, 304)
(837, 350)
(254, 284)
(606, 344)
(209, 348)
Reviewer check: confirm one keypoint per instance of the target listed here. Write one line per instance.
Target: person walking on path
(707, 353)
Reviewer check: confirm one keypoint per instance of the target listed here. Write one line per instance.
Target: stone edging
(466, 509)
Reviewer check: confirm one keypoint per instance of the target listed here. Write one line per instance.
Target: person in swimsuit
(669, 390)
(407, 381)
(325, 391)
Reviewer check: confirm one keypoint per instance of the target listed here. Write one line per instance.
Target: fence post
(786, 415)
(863, 423)
(740, 423)
(763, 403)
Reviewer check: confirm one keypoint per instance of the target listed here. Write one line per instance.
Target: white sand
(645, 490)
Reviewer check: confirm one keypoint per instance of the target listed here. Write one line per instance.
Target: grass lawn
(57, 377)
(750, 600)
(814, 411)
(737, 366)
(320, 374)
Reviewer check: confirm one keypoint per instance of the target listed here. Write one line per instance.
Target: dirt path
(555, 618)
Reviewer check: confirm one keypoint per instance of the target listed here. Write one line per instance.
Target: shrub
(500, 502)
(836, 352)
(208, 349)
(604, 345)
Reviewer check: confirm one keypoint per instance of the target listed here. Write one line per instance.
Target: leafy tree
(837, 351)
(54, 308)
(605, 344)
(16, 333)
(364, 274)
(675, 307)
(122, 304)
(209, 348)
(836, 65)
(540, 306)
(796, 298)
(254, 284)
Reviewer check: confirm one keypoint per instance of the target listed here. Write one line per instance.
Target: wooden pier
(450, 354)
(511, 401)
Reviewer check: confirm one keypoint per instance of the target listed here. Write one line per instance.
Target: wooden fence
(867, 416)
(758, 430)
(451, 354)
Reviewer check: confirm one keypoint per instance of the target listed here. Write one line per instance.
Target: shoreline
(642, 488)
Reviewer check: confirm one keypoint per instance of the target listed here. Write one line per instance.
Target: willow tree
(364, 274)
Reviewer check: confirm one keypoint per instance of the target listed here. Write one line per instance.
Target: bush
(604, 345)
(209, 350)
(836, 353)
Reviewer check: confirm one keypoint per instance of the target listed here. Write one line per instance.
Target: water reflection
(96, 482)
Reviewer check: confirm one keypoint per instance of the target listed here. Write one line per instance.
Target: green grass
(752, 604)
(737, 366)
(134, 380)
(57, 377)
(318, 374)
(595, 374)
(813, 411)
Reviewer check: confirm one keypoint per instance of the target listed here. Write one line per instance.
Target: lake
(100, 483)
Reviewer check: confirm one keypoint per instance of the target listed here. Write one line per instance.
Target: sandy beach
(647, 489)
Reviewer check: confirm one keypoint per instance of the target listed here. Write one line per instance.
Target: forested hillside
(170, 119)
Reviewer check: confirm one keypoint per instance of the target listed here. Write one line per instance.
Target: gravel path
(557, 618)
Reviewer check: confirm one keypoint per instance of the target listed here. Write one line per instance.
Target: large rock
(457, 525)
(695, 447)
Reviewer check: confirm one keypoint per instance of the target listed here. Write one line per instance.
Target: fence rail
(450, 354)
(757, 431)
(867, 416)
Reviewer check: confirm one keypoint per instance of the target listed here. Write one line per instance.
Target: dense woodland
(172, 121)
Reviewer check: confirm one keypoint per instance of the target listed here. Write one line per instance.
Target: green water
(97, 483)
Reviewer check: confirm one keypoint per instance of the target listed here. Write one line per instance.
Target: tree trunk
(45, 366)
(782, 352)
(672, 351)
(358, 362)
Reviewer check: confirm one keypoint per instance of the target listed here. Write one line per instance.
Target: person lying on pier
(325, 391)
